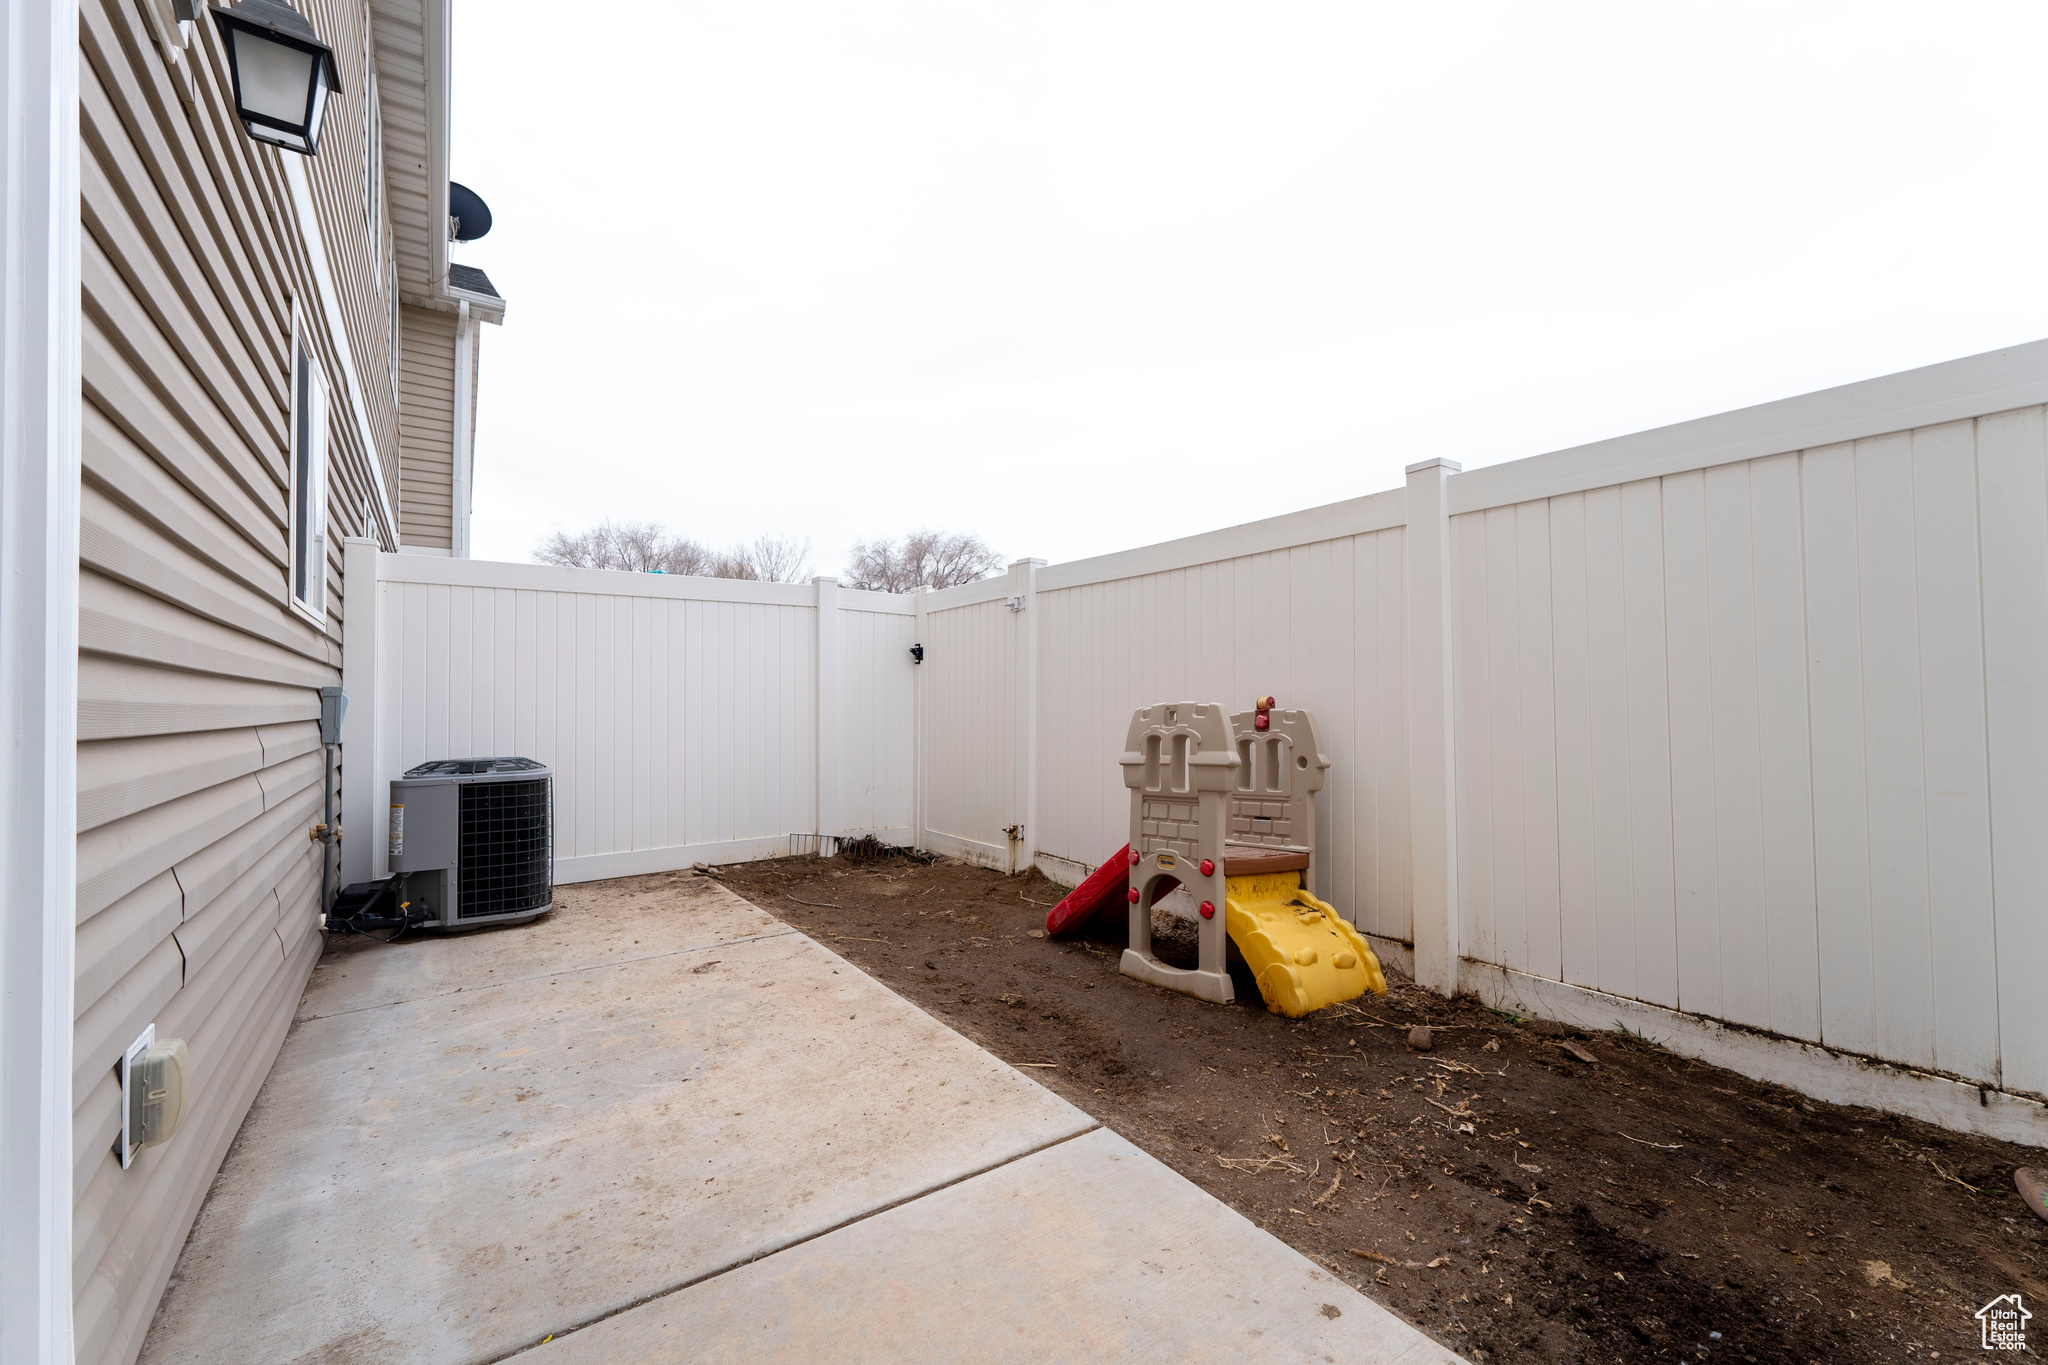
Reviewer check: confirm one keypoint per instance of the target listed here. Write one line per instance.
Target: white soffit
(412, 83)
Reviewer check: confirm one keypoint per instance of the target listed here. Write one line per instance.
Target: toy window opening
(1276, 771)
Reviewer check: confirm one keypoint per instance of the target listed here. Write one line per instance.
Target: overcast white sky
(1081, 276)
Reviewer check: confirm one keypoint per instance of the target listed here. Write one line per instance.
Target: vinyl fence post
(828, 812)
(1432, 740)
(1024, 588)
(917, 602)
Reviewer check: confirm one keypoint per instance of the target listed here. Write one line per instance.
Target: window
(308, 529)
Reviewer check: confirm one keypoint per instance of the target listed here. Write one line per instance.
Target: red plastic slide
(1105, 887)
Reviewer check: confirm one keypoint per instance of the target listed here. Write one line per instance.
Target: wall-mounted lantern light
(283, 73)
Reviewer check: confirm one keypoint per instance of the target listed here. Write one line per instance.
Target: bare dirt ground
(1521, 1192)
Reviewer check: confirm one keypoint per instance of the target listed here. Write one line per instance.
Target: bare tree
(646, 547)
(636, 547)
(774, 559)
(922, 559)
(771, 559)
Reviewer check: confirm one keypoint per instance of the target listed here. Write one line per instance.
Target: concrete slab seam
(794, 1242)
(544, 976)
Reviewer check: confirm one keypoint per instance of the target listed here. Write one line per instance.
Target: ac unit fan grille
(507, 849)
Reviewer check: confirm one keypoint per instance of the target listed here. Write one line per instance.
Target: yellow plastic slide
(1303, 955)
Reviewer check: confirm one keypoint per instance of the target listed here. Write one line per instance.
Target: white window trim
(394, 343)
(373, 159)
(313, 606)
(355, 407)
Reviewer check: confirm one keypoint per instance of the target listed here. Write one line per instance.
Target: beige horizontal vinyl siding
(199, 762)
(426, 430)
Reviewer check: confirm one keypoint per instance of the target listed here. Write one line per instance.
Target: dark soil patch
(1529, 1206)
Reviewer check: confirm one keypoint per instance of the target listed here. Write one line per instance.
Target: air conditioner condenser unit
(472, 841)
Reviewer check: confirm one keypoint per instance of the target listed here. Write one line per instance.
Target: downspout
(465, 378)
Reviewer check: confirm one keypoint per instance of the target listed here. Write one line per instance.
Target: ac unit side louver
(473, 840)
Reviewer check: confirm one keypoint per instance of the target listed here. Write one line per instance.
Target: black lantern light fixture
(283, 72)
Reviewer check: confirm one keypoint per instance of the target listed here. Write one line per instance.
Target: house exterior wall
(199, 761)
(426, 440)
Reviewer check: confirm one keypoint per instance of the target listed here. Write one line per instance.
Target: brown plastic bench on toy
(1251, 862)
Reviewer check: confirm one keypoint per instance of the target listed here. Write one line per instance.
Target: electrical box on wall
(154, 1079)
(333, 706)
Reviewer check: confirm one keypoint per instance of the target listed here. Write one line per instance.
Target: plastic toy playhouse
(1224, 806)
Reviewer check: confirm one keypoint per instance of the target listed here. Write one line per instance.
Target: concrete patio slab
(448, 1169)
(1089, 1250)
(598, 923)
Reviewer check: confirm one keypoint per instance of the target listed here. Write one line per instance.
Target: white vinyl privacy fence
(1735, 731)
